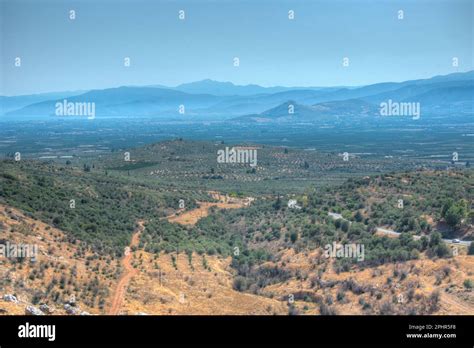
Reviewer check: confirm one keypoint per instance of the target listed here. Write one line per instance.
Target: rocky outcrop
(10, 298)
(46, 309)
(71, 309)
(30, 310)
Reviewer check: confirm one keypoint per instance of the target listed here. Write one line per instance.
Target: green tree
(453, 216)
(435, 239)
(277, 204)
(293, 237)
(470, 250)
(453, 213)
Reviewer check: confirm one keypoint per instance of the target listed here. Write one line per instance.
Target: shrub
(468, 284)
(326, 310)
(387, 308)
(470, 251)
(340, 296)
(240, 283)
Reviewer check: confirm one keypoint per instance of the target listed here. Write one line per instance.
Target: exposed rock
(71, 309)
(30, 310)
(10, 298)
(46, 309)
(14, 217)
(72, 300)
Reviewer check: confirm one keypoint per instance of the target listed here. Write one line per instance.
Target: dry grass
(55, 252)
(191, 217)
(191, 290)
(197, 287)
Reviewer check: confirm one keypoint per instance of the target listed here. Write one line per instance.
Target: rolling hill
(193, 268)
(327, 112)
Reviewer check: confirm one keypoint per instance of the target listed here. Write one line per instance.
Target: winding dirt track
(129, 272)
(191, 217)
(462, 308)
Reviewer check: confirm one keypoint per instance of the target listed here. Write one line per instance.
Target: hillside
(133, 243)
(171, 283)
(327, 112)
(180, 164)
(63, 272)
(70, 279)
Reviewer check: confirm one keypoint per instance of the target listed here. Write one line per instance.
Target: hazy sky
(58, 53)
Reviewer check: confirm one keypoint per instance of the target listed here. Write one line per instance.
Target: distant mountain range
(8, 104)
(212, 100)
(229, 89)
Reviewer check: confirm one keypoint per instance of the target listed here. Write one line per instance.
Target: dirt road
(128, 273)
(452, 302)
(191, 217)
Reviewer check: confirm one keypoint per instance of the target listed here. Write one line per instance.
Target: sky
(63, 54)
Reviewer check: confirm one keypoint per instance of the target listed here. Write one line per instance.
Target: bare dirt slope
(195, 287)
(61, 271)
(191, 217)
